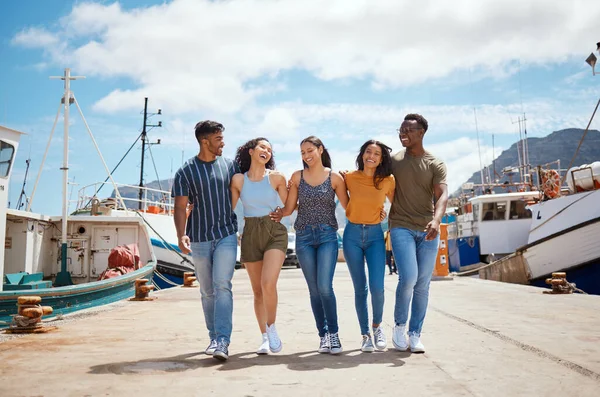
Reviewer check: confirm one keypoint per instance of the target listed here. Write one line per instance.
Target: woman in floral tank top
(313, 190)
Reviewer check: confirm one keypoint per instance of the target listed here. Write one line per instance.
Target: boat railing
(153, 200)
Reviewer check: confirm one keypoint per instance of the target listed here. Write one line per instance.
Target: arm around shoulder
(237, 182)
(292, 196)
(339, 186)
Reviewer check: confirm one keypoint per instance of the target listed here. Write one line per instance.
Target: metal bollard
(142, 290)
(188, 279)
(559, 284)
(28, 319)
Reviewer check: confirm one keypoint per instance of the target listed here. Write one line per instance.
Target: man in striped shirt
(209, 232)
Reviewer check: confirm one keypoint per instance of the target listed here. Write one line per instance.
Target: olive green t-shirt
(413, 200)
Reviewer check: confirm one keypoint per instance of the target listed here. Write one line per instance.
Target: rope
(113, 171)
(168, 246)
(562, 182)
(166, 280)
(559, 212)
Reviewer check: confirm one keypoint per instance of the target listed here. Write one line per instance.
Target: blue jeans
(366, 242)
(215, 262)
(415, 260)
(317, 251)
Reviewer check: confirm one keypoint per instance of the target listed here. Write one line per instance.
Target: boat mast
(479, 151)
(144, 138)
(64, 277)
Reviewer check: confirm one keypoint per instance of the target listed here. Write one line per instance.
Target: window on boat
(6, 157)
(494, 211)
(518, 210)
(476, 212)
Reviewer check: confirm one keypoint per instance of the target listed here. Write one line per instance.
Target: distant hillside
(560, 145)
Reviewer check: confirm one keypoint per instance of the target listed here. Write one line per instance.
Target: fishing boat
(563, 236)
(488, 227)
(61, 258)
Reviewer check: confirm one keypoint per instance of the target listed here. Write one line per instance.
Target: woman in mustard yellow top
(363, 236)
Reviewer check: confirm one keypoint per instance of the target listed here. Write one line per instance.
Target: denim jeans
(215, 262)
(415, 259)
(317, 251)
(366, 242)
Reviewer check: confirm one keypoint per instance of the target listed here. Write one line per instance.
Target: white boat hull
(564, 251)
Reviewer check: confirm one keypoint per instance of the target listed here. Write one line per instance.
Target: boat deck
(483, 338)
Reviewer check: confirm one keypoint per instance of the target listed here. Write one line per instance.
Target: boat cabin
(502, 221)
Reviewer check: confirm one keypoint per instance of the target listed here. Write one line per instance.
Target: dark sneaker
(324, 344)
(222, 351)
(210, 350)
(335, 346)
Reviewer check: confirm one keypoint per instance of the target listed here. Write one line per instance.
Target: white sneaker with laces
(210, 349)
(399, 338)
(367, 344)
(264, 346)
(415, 344)
(274, 342)
(380, 340)
(324, 344)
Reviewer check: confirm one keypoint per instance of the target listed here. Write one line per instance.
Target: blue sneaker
(222, 350)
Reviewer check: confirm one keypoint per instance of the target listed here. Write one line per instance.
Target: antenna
(519, 145)
(144, 139)
(479, 150)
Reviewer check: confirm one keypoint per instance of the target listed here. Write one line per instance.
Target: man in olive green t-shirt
(419, 204)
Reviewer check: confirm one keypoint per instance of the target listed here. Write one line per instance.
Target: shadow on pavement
(303, 361)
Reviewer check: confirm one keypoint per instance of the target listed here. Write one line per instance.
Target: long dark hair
(242, 157)
(325, 158)
(384, 169)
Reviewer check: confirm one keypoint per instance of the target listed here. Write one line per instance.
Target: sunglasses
(408, 130)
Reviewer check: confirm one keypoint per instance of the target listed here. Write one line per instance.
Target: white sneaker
(379, 336)
(367, 344)
(415, 344)
(324, 344)
(264, 346)
(335, 346)
(399, 338)
(210, 349)
(274, 342)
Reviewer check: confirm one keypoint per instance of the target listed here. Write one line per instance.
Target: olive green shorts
(260, 235)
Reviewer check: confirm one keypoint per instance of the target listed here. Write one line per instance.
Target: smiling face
(214, 143)
(262, 153)
(372, 156)
(311, 154)
(411, 133)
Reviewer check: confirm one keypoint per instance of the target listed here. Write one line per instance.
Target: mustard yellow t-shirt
(366, 201)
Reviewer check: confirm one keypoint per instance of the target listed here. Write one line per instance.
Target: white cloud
(204, 55)
(35, 38)
(280, 123)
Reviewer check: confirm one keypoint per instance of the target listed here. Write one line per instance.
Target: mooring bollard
(188, 279)
(29, 316)
(142, 290)
(559, 284)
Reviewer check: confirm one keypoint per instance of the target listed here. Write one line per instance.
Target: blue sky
(345, 71)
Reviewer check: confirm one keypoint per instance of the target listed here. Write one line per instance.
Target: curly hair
(422, 121)
(325, 158)
(243, 159)
(384, 169)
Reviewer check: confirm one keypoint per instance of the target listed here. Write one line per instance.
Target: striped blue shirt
(207, 187)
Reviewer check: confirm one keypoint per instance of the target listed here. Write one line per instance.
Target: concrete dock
(482, 338)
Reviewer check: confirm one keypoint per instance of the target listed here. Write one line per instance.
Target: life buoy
(551, 183)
